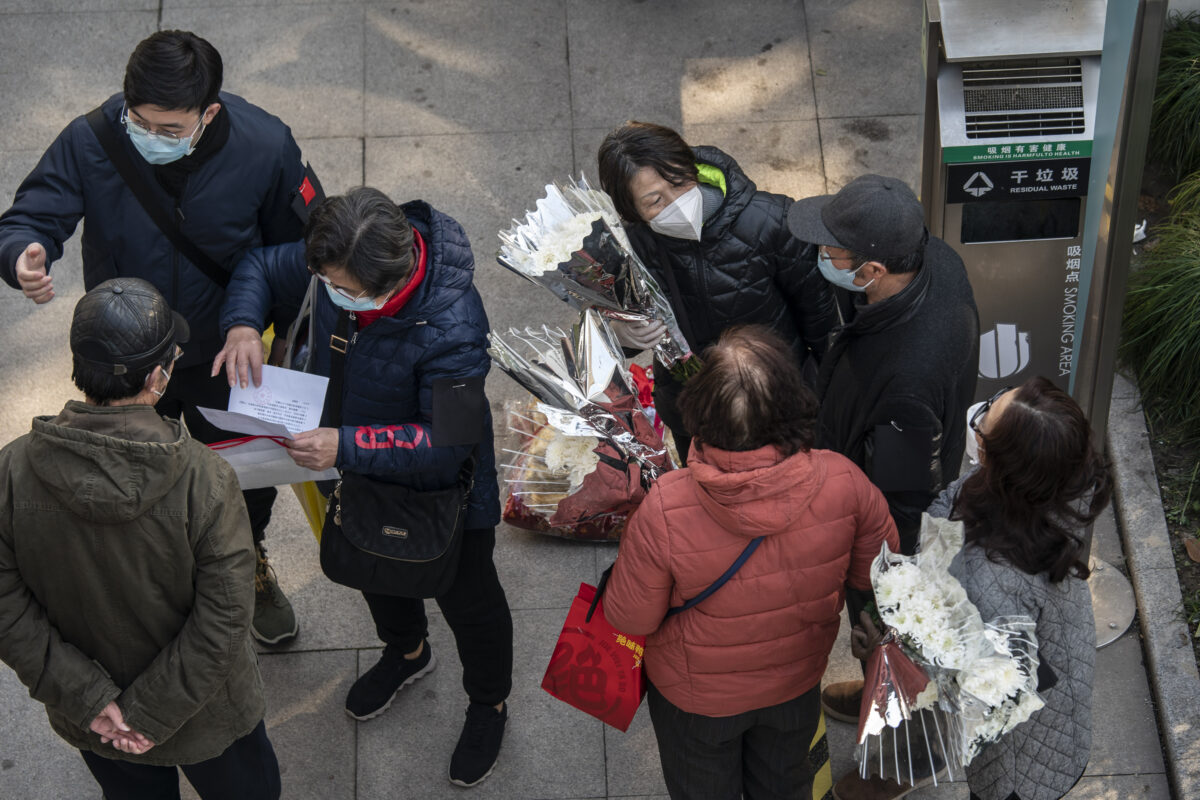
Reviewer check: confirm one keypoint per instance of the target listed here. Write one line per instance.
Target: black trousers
(758, 755)
(476, 611)
(191, 387)
(246, 770)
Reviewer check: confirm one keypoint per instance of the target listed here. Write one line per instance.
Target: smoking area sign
(1017, 180)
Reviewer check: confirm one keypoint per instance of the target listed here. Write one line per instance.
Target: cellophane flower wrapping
(590, 452)
(573, 244)
(983, 676)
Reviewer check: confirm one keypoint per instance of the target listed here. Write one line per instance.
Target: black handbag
(388, 539)
(382, 537)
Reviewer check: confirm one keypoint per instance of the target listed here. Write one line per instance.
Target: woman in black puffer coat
(719, 248)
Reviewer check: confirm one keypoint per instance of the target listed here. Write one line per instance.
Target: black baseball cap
(874, 216)
(125, 325)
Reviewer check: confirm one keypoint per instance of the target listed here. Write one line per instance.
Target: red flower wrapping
(890, 688)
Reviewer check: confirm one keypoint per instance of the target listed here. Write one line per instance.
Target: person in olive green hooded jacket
(126, 571)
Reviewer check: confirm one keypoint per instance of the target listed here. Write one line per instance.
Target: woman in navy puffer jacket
(405, 275)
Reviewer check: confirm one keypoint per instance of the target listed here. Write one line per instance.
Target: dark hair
(897, 265)
(1041, 482)
(364, 233)
(174, 70)
(102, 387)
(634, 145)
(750, 394)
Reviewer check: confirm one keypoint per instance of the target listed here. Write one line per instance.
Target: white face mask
(972, 439)
(681, 219)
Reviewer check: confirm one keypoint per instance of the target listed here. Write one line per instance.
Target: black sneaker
(478, 746)
(371, 694)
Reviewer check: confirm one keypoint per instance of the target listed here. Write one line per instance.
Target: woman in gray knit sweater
(1025, 508)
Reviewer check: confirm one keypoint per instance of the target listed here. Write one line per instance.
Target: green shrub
(1161, 326)
(1174, 142)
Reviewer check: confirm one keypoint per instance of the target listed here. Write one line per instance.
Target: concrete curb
(1174, 679)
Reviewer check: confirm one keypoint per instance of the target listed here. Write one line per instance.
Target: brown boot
(852, 787)
(842, 701)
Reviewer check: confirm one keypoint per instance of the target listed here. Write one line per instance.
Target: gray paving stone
(866, 57)
(167, 4)
(543, 572)
(304, 65)
(1136, 493)
(1124, 732)
(586, 146)
(35, 362)
(483, 181)
(330, 616)
(59, 6)
(624, 64)
(306, 694)
(858, 145)
(1122, 787)
(632, 758)
(54, 67)
(1186, 776)
(781, 157)
(550, 749)
(428, 72)
(338, 162)
(35, 764)
(1106, 540)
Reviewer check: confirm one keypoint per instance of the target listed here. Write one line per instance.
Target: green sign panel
(971, 153)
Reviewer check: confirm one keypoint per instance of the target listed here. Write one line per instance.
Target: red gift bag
(595, 667)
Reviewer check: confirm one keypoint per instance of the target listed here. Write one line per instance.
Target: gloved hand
(638, 335)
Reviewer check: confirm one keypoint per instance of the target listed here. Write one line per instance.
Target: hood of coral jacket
(754, 492)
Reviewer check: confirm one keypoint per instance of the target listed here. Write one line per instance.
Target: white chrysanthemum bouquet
(573, 244)
(982, 677)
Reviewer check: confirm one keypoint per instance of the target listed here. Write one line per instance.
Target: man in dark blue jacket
(228, 176)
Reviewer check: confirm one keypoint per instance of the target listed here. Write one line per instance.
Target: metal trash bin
(1010, 112)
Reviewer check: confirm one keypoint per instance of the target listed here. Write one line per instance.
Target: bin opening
(1020, 220)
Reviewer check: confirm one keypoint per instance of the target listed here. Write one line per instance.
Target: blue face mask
(840, 277)
(341, 301)
(159, 149)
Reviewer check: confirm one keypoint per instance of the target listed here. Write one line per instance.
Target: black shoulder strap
(721, 581)
(145, 195)
(339, 342)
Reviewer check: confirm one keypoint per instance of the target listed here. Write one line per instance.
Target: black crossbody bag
(385, 538)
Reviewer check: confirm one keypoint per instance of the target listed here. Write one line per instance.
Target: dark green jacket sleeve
(189, 670)
(56, 673)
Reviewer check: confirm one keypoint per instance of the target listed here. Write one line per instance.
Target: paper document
(264, 462)
(286, 397)
(287, 403)
(243, 423)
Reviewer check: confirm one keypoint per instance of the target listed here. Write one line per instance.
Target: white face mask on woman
(681, 219)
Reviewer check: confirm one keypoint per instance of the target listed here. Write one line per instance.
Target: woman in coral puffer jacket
(735, 681)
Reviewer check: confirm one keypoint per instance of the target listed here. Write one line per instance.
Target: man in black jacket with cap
(896, 382)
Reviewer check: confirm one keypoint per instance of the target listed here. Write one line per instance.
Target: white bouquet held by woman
(573, 244)
(982, 676)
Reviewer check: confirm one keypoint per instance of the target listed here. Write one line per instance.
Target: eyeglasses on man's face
(170, 136)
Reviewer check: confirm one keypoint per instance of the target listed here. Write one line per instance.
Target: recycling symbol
(978, 184)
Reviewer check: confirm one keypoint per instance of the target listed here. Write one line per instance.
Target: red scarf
(397, 301)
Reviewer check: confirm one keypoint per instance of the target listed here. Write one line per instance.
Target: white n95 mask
(681, 219)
